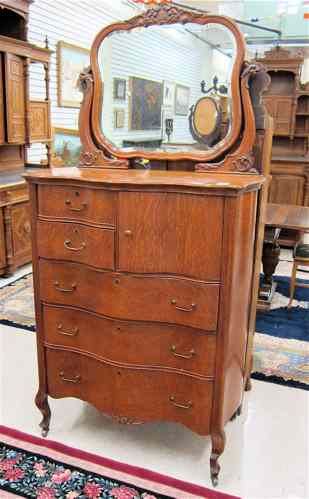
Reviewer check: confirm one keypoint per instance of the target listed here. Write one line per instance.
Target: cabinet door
(15, 98)
(2, 241)
(287, 189)
(2, 127)
(170, 234)
(280, 108)
(21, 233)
(39, 121)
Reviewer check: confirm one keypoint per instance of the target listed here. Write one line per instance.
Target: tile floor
(267, 450)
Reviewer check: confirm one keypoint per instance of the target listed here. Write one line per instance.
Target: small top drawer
(77, 203)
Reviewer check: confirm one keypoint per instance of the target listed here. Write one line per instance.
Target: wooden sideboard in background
(22, 122)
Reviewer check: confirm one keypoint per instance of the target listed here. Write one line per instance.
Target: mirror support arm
(91, 155)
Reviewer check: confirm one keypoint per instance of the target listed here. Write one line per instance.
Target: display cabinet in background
(287, 100)
(22, 123)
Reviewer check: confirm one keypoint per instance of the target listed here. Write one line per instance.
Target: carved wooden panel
(39, 121)
(2, 127)
(280, 108)
(2, 241)
(21, 230)
(15, 98)
(287, 189)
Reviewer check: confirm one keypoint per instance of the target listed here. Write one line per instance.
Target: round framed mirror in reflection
(152, 77)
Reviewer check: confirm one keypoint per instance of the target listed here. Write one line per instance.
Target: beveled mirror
(149, 73)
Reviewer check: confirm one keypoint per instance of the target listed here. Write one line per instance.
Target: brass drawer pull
(128, 233)
(71, 208)
(64, 290)
(73, 332)
(67, 246)
(182, 355)
(181, 406)
(190, 308)
(75, 379)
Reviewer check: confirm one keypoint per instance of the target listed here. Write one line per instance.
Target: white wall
(73, 21)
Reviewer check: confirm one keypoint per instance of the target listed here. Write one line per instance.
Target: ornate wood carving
(126, 420)
(91, 155)
(167, 14)
(244, 163)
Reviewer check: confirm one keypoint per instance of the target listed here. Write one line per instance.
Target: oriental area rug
(33, 467)
(281, 347)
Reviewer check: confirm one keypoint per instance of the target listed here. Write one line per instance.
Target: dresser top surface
(109, 177)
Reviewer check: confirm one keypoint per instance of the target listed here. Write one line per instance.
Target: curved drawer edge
(124, 365)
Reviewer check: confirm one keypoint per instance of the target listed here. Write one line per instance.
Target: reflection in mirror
(167, 88)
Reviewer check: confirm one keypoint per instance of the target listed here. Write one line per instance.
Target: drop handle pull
(182, 355)
(72, 332)
(189, 308)
(188, 405)
(65, 290)
(67, 245)
(68, 202)
(76, 379)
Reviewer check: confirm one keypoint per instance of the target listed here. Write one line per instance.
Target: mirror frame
(97, 150)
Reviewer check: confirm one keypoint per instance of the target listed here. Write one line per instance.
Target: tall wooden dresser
(143, 277)
(22, 122)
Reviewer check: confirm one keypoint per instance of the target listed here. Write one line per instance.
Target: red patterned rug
(33, 467)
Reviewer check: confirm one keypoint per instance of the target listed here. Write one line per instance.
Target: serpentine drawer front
(77, 243)
(159, 299)
(150, 395)
(166, 346)
(77, 203)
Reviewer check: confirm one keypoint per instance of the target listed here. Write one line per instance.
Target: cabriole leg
(218, 444)
(41, 401)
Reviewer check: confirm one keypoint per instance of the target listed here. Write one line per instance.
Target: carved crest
(281, 53)
(165, 14)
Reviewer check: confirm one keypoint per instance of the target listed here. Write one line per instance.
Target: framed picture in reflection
(119, 117)
(146, 98)
(182, 100)
(120, 86)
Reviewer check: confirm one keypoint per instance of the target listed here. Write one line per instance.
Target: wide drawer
(176, 347)
(129, 394)
(134, 297)
(77, 243)
(77, 203)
